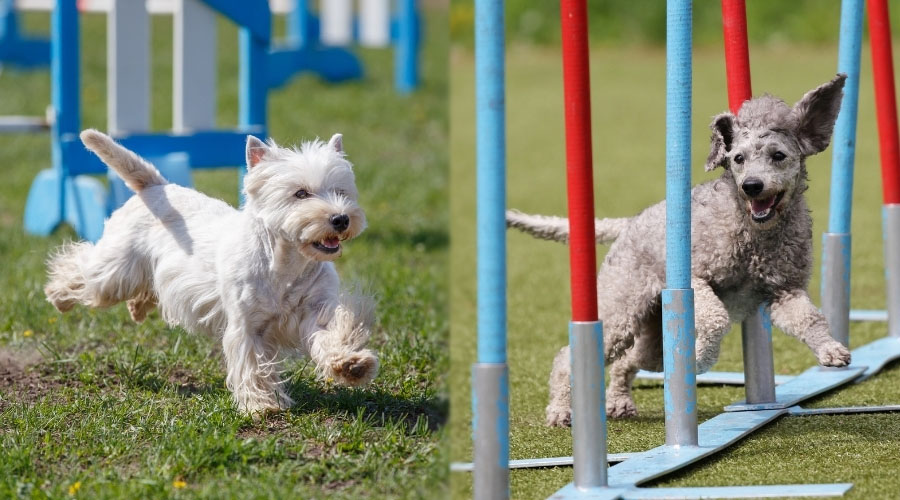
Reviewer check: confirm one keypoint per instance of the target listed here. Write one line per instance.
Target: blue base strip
(773, 491)
(725, 378)
(876, 355)
(529, 463)
(845, 410)
(810, 383)
(868, 315)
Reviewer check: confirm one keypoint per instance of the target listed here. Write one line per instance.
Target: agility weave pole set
(66, 192)
(686, 441)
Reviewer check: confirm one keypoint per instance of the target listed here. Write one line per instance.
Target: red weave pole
(579, 174)
(885, 99)
(737, 55)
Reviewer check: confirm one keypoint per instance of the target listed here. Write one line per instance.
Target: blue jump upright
(65, 193)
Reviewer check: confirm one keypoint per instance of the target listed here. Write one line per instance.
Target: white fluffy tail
(137, 173)
(557, 228)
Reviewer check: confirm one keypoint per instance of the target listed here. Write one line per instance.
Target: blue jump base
(737, 422)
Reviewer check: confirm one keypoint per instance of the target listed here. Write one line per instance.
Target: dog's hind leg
(94, 275)
(559, 409)
(141, 304)
(712, 323)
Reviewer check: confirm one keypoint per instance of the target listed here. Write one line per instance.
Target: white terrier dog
(260, 277)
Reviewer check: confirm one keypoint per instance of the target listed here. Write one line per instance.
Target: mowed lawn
(95, 406)
(628, 107)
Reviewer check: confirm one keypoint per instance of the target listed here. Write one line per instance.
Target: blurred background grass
(643, 22)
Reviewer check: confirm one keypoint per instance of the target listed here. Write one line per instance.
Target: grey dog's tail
(557, 228)
(137, 172)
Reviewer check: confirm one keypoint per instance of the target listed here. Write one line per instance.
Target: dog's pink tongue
(762, 205)
(331, 242)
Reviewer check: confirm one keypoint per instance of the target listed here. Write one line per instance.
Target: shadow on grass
(377, 405)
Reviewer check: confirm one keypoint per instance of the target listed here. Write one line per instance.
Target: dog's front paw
(356, 369)
(620, 406)
(833, 354)
(558, 416)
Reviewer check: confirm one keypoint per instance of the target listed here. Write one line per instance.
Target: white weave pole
(194, 67)
(375, 23)
(128, 67)
(336, 22)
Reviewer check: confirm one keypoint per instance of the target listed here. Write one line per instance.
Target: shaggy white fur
(260, 277)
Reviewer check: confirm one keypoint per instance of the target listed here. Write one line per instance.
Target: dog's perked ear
(816, 114)
(256, 150)
(721, 140)
(337, 143)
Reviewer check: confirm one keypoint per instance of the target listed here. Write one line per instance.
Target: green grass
(125, 410)
(628, 137)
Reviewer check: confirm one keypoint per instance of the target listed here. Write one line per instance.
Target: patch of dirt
(339, 485)
(21, 379)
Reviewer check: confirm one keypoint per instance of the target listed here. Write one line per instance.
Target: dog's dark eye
(302, 194)
(739, 159)
(778, 156)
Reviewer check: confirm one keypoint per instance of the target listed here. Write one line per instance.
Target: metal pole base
(588, 404)
(490, 422)
(759, 366)
(891, 219)
(680, 367)
(836, 284)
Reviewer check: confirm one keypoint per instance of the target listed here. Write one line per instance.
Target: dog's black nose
(752, 186)
(340, 222)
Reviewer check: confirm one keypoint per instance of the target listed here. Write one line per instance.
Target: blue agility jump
(686, 441)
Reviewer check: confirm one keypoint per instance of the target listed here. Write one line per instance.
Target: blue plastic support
(876, 355)
(252, 15)
(812, 382)
(406, 48)
(18, 50)
(300, 25)
(332, 64)
(678, 305)
(713, 378)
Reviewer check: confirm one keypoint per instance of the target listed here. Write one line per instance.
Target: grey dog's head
(766, 144)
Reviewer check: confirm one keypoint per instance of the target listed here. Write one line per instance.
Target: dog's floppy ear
(337, 143)
(256, 149)
(721, 140)
(816, 114)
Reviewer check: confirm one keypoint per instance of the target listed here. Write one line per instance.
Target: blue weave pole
(677, 299)
(406, 47)
(21, 51)
(836, 242)
(490, 381)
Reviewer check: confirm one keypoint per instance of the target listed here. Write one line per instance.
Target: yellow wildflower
(52, 319)
(75, 487)
(178, 484)
(27, 333)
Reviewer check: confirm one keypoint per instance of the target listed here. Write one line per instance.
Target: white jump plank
(128, 67)
(194, 67)
(375, 23)
(336, 18)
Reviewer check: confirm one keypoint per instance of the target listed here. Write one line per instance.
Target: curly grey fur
(739, 260)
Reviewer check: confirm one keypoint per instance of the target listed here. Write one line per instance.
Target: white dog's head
(306, 195)
(765, 146)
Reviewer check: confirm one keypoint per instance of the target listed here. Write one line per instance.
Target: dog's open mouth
(328, 245)
(763, 209)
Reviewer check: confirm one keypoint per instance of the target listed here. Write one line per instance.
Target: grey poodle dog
(751, 245)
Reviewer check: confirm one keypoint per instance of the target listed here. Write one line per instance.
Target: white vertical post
(336, 22)
(375, 23)
(128, 67)
(194, 66)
